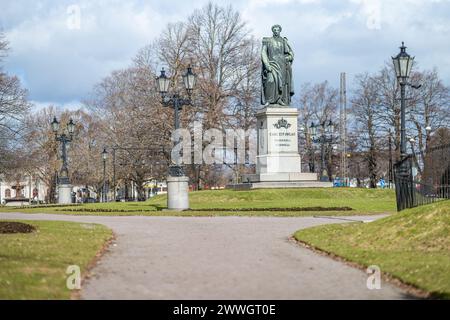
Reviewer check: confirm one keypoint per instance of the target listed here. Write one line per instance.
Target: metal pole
(236, 164)
(322, 151)
(176, 106)
(114, 173)
(64, 155)
(29, 190)
(390, 161)
(313, 155)
(176, 170)
(55, 194)
(343, 127)
(104, 180)
(64, 172)
(403, 120)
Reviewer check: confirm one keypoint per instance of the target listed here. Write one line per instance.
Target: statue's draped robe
(277, 86)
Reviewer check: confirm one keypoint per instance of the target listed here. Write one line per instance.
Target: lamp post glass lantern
(55, 125)
(71, 127)
(313, 130)
(105, 154)
(403, 63)
(163, 82)
(189, 80)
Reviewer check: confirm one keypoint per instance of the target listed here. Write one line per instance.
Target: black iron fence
(423, 181)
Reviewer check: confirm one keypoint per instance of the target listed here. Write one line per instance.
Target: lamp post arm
(176, 103)
(169, 101)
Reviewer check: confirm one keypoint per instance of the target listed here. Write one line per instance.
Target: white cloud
(61, 64)
(71, 105)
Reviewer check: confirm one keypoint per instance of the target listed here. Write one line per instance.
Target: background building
(31, 190)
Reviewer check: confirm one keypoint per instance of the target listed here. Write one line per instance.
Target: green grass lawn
(362, 201)
(413, 246)
(33, 266)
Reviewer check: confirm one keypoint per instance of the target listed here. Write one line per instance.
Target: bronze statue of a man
(277, 58)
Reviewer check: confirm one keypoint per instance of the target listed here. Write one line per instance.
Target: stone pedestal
(178, 193)
(278, 162)
(65, 194)
(277, 141)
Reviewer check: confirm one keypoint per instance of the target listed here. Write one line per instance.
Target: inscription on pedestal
(278, 143)
(283, 136)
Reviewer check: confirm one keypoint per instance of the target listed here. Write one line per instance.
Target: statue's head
(276, 29)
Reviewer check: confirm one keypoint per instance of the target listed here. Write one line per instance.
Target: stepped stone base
(280, 177)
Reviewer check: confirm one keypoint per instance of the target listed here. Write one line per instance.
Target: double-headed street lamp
(104, 158)
(175, 100)
(177, 182)
(64, 187)
(325, 137)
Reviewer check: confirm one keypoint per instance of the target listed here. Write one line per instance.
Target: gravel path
(217, 258)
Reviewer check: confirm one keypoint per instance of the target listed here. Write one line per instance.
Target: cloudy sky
(59, 60)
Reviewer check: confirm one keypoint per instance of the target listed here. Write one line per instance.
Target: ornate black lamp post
(177, 182)
(64, 138)
(176, 102)
(104, 158)
(403, 64)
(325, 137)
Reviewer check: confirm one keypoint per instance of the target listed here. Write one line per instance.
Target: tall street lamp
(104, 158)
(326, 137)
(177, 182)
(403, 64)
(64, 138)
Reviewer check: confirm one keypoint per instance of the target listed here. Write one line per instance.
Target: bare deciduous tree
(318, 104)
(42, 149)
(428, 109)
(132, 121)
(13, 108)
(365, 103)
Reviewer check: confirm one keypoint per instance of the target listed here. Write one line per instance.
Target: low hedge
(276, 209)
(294, 209)
(103, 210)
(47, 206)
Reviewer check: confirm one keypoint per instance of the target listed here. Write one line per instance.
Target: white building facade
(29, 190)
